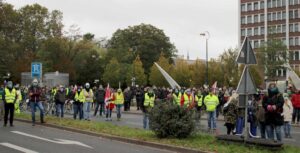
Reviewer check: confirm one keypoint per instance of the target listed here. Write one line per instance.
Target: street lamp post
(206, 35)
(134, 49)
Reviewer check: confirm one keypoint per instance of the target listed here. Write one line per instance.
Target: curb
(121, 139)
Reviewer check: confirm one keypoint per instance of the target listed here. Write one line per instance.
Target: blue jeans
(77, 110)
(146, 120)
(287, 129)
(108, 113)
(211, 119)
(119, 110)
(60, 110)
(33, 106)
(253, 128)
(270, 132)
(87, 110)
(239, 125)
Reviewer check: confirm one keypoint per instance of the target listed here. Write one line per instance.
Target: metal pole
(206, 81)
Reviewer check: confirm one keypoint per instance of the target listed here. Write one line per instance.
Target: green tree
(272, 56)
(156, 78)
(182, 73)
(138, 70)
(230, 69)
(198, 73)
(112, 73)
(144, 40)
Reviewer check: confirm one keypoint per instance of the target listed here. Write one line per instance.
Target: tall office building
(260, 18)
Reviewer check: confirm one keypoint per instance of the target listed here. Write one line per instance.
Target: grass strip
(198, 141)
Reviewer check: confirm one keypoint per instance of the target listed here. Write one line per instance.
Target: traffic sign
(246, 84)
(246, 54)
(36, 70)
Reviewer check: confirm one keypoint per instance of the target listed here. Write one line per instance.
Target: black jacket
(100, 95)
(274, 117)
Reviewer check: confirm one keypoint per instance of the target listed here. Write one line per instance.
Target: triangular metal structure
(170, 80)
(246, 54)
(246, 84)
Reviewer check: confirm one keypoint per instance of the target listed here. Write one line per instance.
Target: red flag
(107, 94)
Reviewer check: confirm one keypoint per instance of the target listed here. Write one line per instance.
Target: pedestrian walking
(230, 110)
(89, 96)
(252, 109)
(128, 95)
(287, 115)
(99, 95)
(19, 99)
(60, 99)
(148, 104)
(9, 98)
(34, 98)
(119, 101)
(139, 97)
(273, 105)
(211, 102)
(199, 101)
(109, 103)
(296, 104)
(79, 99)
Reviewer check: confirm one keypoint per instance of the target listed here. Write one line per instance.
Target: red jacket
(296, 100)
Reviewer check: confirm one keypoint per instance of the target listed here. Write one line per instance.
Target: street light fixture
(133, 50)
(207, 36)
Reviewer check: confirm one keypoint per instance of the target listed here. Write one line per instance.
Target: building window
(291, 14)
(279, 16)
(296, 55)
(256, 44)
(243, 7)
(296, 41)
(255, 31)
(262, 17)
(279, 2)
(292, 42)
(295, 14)
(283, 2)
(262, 42)
(255, 18)
(249, 7)
(262, 30)
(296, 26)
(256, 6)
(243, 32)
(279, 29)
(269, 4)
(274, 16)
(273, 3)
(243, 20)
(262, 4)
(296, 2)
(291, 28)
(249, 32)
(291, 2)
(249, 19)
(283, 28)
(269, 16)
(283, 15)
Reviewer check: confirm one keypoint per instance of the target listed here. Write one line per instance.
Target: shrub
(169, 120)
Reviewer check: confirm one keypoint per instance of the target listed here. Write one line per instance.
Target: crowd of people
(269, 110)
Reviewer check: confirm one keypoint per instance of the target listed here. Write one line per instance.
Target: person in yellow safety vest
(176, 97)
(53, 92)
(199, 100)
(89, 98)
(9, 98)
(148, 104)
(211, 102)
(19, 99)
(79, 99)
(187, 99)
(119, 101)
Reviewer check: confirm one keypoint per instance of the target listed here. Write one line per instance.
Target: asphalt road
(25, 138)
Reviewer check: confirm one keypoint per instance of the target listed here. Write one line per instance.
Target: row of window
(293, 41)
(270, 4)
(281, 28)
(274, 16)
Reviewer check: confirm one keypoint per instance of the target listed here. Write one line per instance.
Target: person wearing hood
(119, 101)
(89, 97)
(35, 101)
(60, 98)
(100, 96)
(79, 99)
(273, 105)
(211, 102)
(230, 110)
(9, 98)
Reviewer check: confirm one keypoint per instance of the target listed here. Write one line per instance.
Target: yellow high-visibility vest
(199, 100)
(187, 101)
(10, 96)
(80, 97)
(119, 98)
(211, 102)
(149, 101)
(176, 99)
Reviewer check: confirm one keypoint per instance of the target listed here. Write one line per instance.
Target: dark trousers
(101, 106)
(139, 104)
(78, 109)
(296, 114)
(262, 128)
(60, 110)
(9, 108)
(230, 128)
(127, 104)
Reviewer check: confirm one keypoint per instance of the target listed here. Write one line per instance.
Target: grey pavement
(45, 140)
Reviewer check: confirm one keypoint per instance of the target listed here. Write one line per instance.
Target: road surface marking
(12, 146)
(59, 141)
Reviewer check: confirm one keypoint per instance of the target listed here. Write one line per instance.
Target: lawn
(198, 141)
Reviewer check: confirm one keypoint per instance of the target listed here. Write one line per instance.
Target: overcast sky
(181, 20)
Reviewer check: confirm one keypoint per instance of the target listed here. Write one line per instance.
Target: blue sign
(36, 70)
